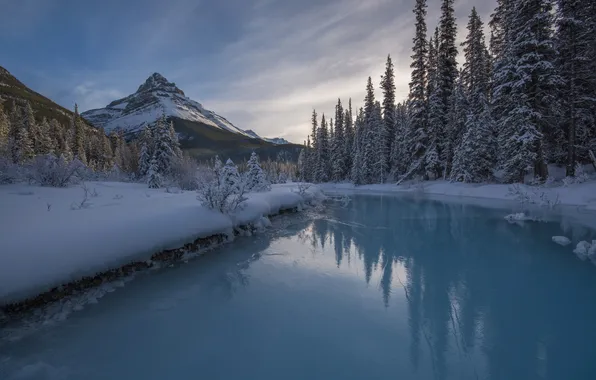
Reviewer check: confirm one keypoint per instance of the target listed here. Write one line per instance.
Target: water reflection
(479, 290)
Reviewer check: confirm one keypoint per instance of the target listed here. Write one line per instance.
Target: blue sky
(263, 64)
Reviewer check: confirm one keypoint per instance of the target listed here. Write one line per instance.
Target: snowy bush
(184, 174)
(49, 170)
(9, 172)
(580, 176)
(534, 195)
(223, 189)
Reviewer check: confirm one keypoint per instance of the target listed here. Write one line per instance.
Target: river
(386, 287)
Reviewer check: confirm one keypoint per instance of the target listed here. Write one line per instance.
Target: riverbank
(53, 236)
(581, 195)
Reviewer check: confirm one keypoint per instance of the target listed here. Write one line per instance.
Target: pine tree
(231, 178)
(154, 178)
(417, 97)
(388, 87)
(323, 153)
(256, 180)
(301, 163)
(532, 96)
(447, 74)
(575, 35)
(163, 150)
(146, 153)
(399, 151)
(435, 137)
(44, 143)
(19, 141)
(456, 125)
(349, 139)
(4, 131)
(356, 172)
(78, 128)
(175, 142)
(108, 154)
(338, 164)
(313, 152)
(474, 157)
(474, 74)
(380, 167)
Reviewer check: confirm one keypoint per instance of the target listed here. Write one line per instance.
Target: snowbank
(561, 240)
(583, 195)
(51, 236)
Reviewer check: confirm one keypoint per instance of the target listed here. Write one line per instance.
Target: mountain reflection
(476, 290)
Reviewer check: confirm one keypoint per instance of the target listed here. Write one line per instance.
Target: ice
(46, 243)
(582, 249)
(561, 240)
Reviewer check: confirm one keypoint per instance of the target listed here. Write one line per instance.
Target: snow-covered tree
(154, 178)
(418, 112)
(576, 42)
(474, 156)
(255, 177)
(530, 119)
(322, 171)
(175, 141)
(163, 149)
(349, 139)
(78, 133)
(223, 189)
(356, 172)
(19, 140)
(456, 125)
(43, 143)
(146, 154)
(4, 131)
(388, 88)
(399, 150)
(338, 160)
(474, 74)
(302, 163)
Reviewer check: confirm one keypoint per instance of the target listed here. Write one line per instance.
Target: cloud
(89, 96)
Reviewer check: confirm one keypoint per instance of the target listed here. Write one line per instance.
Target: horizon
(266, 70)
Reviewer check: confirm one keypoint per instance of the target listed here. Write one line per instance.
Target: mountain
(275, 140)
(202, 132)
(12, 89)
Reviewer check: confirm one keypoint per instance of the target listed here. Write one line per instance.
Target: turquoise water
(386, 288)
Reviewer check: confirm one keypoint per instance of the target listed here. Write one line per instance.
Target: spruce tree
(349, 139)
(575, 35)
(146, 154)
(78, 129)
(231, 178)
(163, 151)
(313, 153)
(533, 99)
(44, 143)
(356, 172)
(388, 88)
(4, 131)
(456, 125)
(474, 74)
(255, 178)
(175, 142)
(19, 140)
(417, 97)
(474, 156)
(323, 153)
(338, 164)
(154, 178)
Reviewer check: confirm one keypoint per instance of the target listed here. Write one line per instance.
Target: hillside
(11, 88)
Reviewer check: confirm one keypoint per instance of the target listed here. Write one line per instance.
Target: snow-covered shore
(51, 236)
(581, 195)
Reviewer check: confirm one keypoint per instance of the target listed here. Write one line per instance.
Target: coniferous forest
(524, 98)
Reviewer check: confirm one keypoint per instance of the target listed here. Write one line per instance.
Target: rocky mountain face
(155, 97)
(202, 132)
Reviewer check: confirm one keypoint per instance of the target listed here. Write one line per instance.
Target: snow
(561, 240)
(580, 195)
(518, 217)
(50, 236)
(585, 250)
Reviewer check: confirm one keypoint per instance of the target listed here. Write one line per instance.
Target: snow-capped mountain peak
(156, 96)
(274, 140)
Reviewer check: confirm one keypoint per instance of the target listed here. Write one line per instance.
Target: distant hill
(12, 89)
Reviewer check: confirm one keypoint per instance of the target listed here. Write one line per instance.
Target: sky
(262, 64)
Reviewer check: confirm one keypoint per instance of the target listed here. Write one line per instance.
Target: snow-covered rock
(517, 217)
(561, 240)
(583, 249)
(153, 98)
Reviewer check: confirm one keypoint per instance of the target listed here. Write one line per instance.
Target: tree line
(524, 100)
(23, 137)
